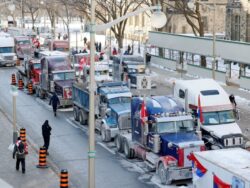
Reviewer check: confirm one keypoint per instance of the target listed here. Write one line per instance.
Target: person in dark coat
(129, 49)
(232, 100)
(46, 131)
(99, 47)
(54, 101)
(19, 153)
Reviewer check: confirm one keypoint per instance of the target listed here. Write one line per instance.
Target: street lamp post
(158, 20)
(191, 6)
(14, 93)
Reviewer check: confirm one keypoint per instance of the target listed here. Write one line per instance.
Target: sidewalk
(9, 177)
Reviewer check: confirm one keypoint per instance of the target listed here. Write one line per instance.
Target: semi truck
(227, 168)
(112, 107)
(7, 53)
(56, 76)
(163, 135)
(30, 68)
(218, 124)
(133, 68)
(23, 47)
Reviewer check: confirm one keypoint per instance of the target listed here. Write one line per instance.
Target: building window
(137, 21)
(205, 23)
(236, 28)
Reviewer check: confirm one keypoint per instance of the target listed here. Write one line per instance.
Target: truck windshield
(23, 42)
(119, 100)
(37, 66)
(216, 118)
(64, 76)
(6, 50)
(175, 126)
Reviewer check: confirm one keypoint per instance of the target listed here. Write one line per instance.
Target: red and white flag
(144, 113)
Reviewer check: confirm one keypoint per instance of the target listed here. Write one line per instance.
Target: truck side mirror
(108, 112)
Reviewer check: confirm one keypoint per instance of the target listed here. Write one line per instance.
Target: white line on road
(72, 124)
(105, 147)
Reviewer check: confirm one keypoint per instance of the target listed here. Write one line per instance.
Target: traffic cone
(42, 158)
(23, 135)
(18, 62)
(20, 84)
(64, 181)
(13, 79)
(30, 88)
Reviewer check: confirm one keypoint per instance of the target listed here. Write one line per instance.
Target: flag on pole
(218, 183)
(143, 112)
(198, 168)
(199, 111)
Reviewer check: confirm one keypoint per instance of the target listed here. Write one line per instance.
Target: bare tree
(108, 10)
(31, 7)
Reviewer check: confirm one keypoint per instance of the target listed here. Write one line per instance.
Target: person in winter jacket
(46, 132)
(19, 153)
(54, 101)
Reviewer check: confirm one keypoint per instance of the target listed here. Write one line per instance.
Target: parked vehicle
(56, 76)
(59, 45)
(133, 68)
(163, 135)
(23, 47)
(112, 107)
(7, 55)
(218, 125)
(227, 168)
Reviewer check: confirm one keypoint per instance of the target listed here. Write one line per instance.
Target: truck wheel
(164, 175)
(81, 118)
(118, 143)
(129, 152)
(76, 113)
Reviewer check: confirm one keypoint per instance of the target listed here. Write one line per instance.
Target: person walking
(54, 101)
(19, 154)
(46, 132)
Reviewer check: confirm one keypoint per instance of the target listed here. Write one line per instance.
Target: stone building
(238, 20)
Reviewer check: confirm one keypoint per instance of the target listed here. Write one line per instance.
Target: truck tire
(81, 118)
(129, 152)
(118, 143)
(164, 175)
(76, 113)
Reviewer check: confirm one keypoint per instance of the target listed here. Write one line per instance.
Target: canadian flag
(143, 113)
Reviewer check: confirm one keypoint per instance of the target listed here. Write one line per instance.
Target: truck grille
(187, 151)
(233, 141)
(125, 121)
(8, 57)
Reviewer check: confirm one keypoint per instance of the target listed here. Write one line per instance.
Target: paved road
(69, 145)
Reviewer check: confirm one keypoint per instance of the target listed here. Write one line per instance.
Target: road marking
(72, 124)
(105, 147)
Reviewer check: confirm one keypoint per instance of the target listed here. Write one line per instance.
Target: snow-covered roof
(235, 160)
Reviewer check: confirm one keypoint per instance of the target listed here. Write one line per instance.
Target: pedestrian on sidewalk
(54, 101)
(46, 132)
(19, 153)
(232, 100)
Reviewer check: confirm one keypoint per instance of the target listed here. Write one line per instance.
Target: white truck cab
(7, 55)
(219, 127)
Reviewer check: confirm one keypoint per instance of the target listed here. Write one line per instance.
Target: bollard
(30, 88)
(13, 79)
(20, 84)
(64, 181)
(42, 158)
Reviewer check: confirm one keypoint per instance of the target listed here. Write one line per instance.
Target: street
(69, 140)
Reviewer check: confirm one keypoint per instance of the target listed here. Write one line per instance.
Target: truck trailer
(227, 168)
(163, 135)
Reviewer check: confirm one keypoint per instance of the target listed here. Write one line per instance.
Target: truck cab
(115, 100)
(164, 136)
(59, 45)
(7, 53)
(218, 126)
(56, 76)
(130, 67)
(23, 47)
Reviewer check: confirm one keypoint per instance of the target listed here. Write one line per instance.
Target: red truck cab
(35, 71)
(23, 46)
(59, 45)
